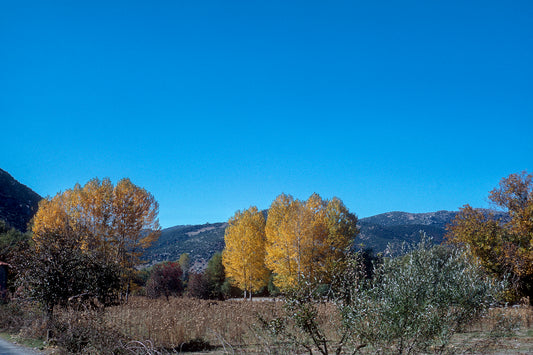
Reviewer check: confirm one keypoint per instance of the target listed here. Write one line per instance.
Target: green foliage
(417, 301)
(185, 264)
(215, 276)
(413, 303)
(12, 241)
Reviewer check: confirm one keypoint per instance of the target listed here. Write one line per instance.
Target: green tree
(215, 276)
(503, 247)
(405, 305)
(417, 301)
(12, 243)
(185, 262)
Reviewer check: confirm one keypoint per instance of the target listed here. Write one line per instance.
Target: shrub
(165, 280)
(418, 301)
(198, 286)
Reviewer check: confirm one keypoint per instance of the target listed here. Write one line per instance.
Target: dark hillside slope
(18, 203)
(397, 227)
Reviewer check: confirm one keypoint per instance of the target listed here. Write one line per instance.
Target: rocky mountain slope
(18, 203)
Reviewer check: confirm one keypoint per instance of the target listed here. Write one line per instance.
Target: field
(183, 325)
(189, 325)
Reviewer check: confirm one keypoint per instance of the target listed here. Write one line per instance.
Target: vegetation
(244, 255)
(307, 239)
(86, 242)
(13, 245)
(166, 279)
(409, 304)
(118, 221)
(504, 248)
(158, 326)
(427, 298)
(418, 301)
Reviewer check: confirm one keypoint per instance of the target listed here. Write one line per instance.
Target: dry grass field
(233, 327)
(182, 321)
(183, 325)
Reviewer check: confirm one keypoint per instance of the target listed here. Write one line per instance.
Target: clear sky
(214, 106)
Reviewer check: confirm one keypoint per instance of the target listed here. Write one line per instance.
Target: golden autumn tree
(244, 254)
(307, 239)
(114, 222)
(503, 247)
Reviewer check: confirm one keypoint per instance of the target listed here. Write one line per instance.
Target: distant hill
(376, 233)
(200, 241)
(18, 203)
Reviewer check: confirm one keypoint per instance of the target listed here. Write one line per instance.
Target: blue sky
(214, 106)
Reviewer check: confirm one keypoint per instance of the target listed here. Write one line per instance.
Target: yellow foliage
(244, 254)
(118, 221)
(307, 239)
(502, 247)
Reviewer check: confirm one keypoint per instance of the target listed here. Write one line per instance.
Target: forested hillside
(18, 203)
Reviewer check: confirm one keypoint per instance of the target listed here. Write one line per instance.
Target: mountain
(18, 203)
(200, 241)
(376, 233)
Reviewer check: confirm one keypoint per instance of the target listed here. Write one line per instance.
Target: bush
(165, 280)
(198, 286)
(85, 332)
(59, 272)
(418, 301)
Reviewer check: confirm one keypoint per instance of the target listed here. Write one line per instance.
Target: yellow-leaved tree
(115, 222)
(503, 247)
(307, 240)
(244, 254)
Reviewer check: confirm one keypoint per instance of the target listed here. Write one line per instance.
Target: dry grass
(178, 322)
(232, 326)
(145, 326)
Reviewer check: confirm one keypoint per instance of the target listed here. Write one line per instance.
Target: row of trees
(300, 240)
(87, 241)
(309, 240)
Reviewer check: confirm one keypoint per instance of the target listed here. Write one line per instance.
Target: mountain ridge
(18, 203)
(376, 233)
